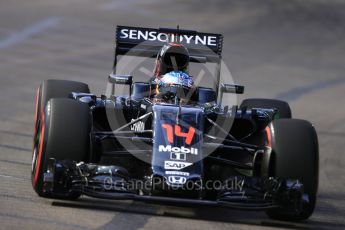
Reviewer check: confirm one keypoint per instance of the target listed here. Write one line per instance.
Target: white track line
(13, 177)
(28, 32)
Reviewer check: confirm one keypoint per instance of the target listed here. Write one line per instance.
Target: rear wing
(146, 42)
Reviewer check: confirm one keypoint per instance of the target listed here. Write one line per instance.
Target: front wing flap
(110, 182)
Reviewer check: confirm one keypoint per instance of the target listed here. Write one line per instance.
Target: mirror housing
(120, 79)
(230, 88)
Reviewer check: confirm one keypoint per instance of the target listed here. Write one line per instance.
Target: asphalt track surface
(292, 50)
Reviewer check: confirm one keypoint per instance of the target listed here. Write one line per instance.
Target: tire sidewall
(295, 155)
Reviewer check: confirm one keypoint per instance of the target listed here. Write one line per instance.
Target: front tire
(296, 156)
(47, 90)
(64, 133)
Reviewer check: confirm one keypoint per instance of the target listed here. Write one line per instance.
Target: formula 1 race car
(169, 141)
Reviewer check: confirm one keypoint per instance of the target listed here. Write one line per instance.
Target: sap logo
(139, 126)
(177, 180)
(182, 149)
(176, 165)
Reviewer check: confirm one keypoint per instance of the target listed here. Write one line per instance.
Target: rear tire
(282, 106)
(60, 89)
(295, 155)
(55, 89)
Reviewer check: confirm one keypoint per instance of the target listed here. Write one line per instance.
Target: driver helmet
(174, 83)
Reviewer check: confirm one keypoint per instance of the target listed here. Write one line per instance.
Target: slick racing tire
(63, 133)
(295, 155)
(55, 89)
(283, 107)
(61, 89)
